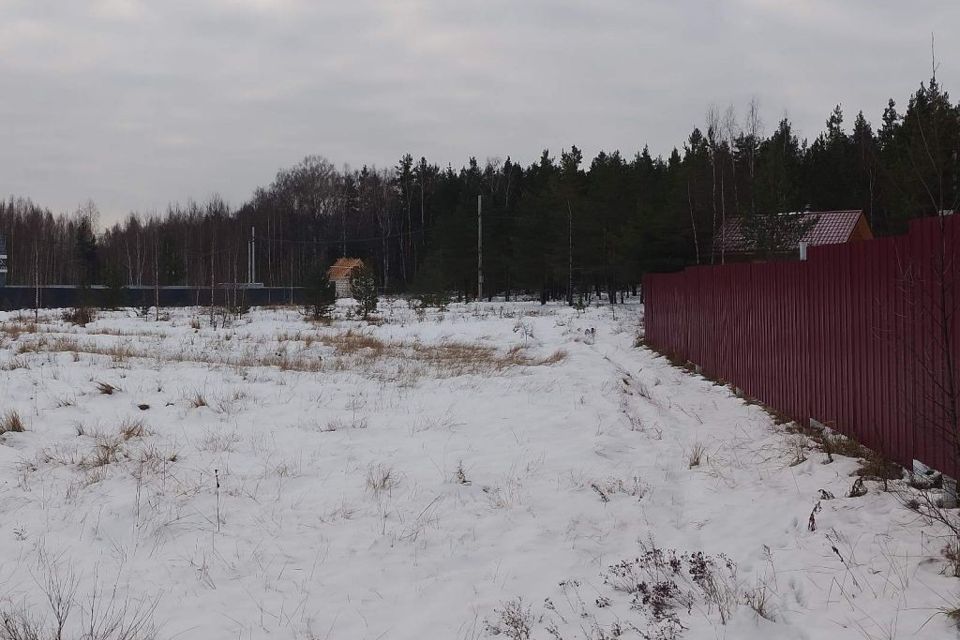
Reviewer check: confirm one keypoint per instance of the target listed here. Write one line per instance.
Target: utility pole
(252, 256)
(479, 248)
(36, 281)
(569, 254)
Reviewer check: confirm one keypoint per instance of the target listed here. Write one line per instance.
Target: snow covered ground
(457, 474)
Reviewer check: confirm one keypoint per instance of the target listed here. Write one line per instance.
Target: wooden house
(826, 227)
(340, 274)
(3, 262)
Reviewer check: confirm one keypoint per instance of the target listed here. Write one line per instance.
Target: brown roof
(831, 227)
(343, 268)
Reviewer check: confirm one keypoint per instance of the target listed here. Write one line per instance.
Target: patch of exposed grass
(696, 454)
(11, 422)
(132, 428)
(381, 479)
(107, 450)
(197, 400)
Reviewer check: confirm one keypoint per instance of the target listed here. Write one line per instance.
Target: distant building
(340, 274)
(3, 262)
(827, 227)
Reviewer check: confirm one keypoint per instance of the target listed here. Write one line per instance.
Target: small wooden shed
(828, 227)
(340, 274)
(3, 262)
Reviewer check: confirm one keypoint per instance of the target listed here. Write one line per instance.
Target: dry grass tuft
(107, 389)
(696, 455)
(352, 342)
(15, 363)
(15, 328)
(836, 444)
(556, 357)
(106, 451)
(11, 422)
(197, 400)
(381, 479)
(132, 428)
(877, 467)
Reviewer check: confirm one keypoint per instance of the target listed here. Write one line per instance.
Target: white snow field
(456, 474)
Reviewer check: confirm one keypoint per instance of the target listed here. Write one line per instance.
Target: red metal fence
(863, 337)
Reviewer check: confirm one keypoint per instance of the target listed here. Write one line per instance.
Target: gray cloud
(136, 104)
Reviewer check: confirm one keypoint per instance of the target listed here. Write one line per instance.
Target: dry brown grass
(836, 444)
(381, 479)
(197, 400)
(15, 363)
(132, 428)
(15, 328)
(696, 454)
(11, 422)
(106, 389)
(877, 467)
(353, 350)
(352, 342)
(107, 450)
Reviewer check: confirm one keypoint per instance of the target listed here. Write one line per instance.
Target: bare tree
(753, 132)
(713, 133)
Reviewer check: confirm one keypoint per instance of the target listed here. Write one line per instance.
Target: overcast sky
(137, 104)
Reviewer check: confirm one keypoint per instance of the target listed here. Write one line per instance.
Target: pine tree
(363, 287)
(86, 252)
(320, 293)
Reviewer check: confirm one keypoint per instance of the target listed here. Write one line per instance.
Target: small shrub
(799, 453)
(951, 553)
(11, 422)
(80, 316)
(877, 467)
(103, 615)
(321, 294)
(758, 599)
(661, 583)
(438, 300)
(363, 287)
(513, 619)
(836, 444)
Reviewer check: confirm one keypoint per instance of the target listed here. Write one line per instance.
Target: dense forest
(552, 228)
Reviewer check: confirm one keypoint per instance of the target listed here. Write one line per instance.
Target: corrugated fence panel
(863, 337)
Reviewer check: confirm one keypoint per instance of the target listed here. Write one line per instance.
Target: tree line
(558, 228)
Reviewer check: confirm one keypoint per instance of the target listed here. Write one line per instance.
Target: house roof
(831, 227)
(343, 267)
